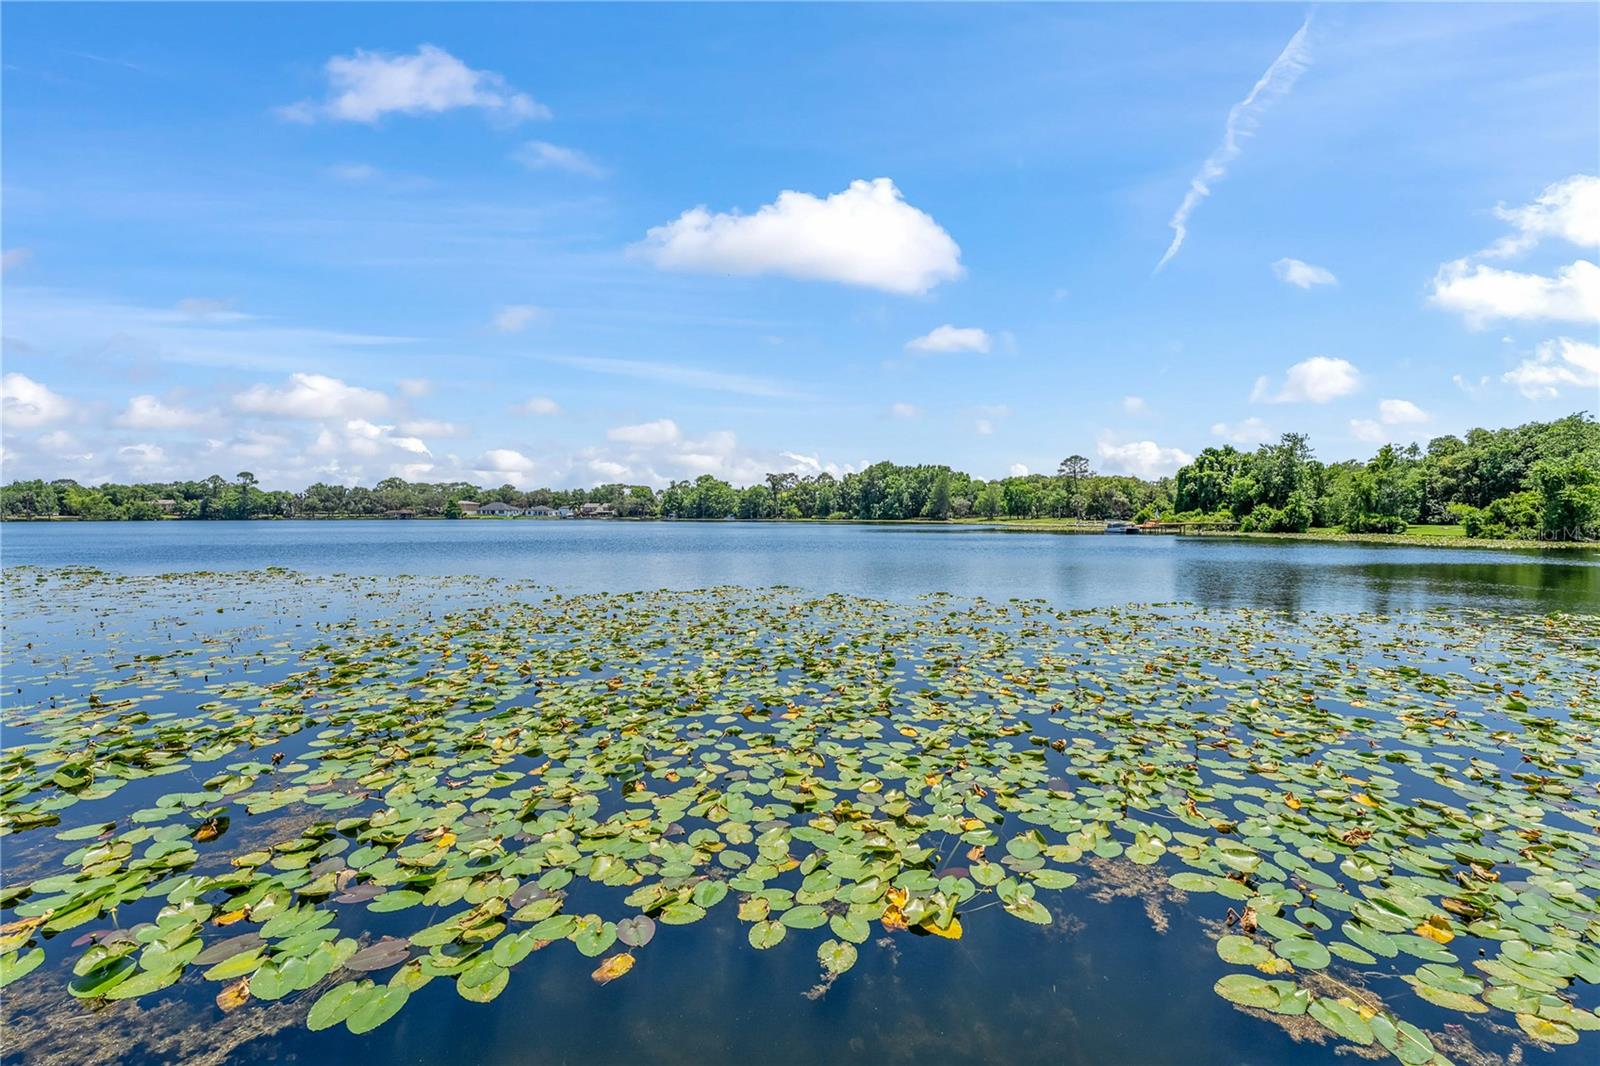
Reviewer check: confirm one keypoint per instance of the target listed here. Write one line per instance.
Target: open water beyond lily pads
(511, 792)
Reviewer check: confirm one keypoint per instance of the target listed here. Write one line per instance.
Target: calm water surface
(1106, 989)
(1070, 570)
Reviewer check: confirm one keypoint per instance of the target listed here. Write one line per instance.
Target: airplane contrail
(1277, 81)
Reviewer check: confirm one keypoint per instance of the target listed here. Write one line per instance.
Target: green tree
(247, 481)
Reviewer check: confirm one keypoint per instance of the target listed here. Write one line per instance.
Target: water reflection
(895, 562)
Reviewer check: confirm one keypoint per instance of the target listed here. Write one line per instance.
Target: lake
(899, 561)
(879, 815)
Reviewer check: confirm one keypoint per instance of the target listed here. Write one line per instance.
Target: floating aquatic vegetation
(1415, 796)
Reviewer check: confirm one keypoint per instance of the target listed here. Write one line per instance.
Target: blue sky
(569, 244)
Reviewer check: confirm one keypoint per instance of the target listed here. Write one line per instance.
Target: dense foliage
(1536, 481)
(881, 491)
(1540, 480)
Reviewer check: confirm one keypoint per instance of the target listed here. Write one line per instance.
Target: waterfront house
(541, 512)
(468, 507)
(500, 510)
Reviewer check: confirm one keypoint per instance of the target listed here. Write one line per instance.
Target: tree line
(1540, 480)
(1535, 481)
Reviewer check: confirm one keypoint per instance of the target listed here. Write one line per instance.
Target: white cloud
(368, 85)
(366, 439)
(1471, 388)
(1142, 458)
(542, 155)
(905, 410)
(1483, 293)
(1135, 405)
(1295, 272)
(1251, 431)
(811, 465)
(142, 455)
(1242, 119)
(148, 412)
(1401, 413)
(12, 258)
(1556, 365)
(516, 317)
(1567, 209)
(254, 444)
(661, 431)
(1316, 380)
(1367, 430)
(429, 427)
(414, 387)
(312, 396)
(538, 406)
(983, 427)
(950, 339)
(25, 403)
(866, 235)
(1019, 470)
(507, 463)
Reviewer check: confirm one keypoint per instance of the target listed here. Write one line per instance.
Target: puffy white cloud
(368, 85)
(148, 412)
(1251, 431)
(1295, 272)
(516, 317)
(1018, 470)
(1556, 365)
(506, 464)
(12, 258)
(253, 444)
(538, 406)
(1315, 380)
(905, 410)
(1482, 293)
(358, 441)
(1365, 429)
(542, 155)
(1142, 458)
(1135, 405)
(1568, 209)
(25, 403)
(949, 338)
(142, 458)
(312, 396)
(866, 235)
(1401, 413)
(661, 431)
(59, 444)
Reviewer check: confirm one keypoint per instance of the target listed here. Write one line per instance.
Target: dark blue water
(1070, 570)
(1103, 986)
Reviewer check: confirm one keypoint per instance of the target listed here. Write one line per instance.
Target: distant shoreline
(1016, 525)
